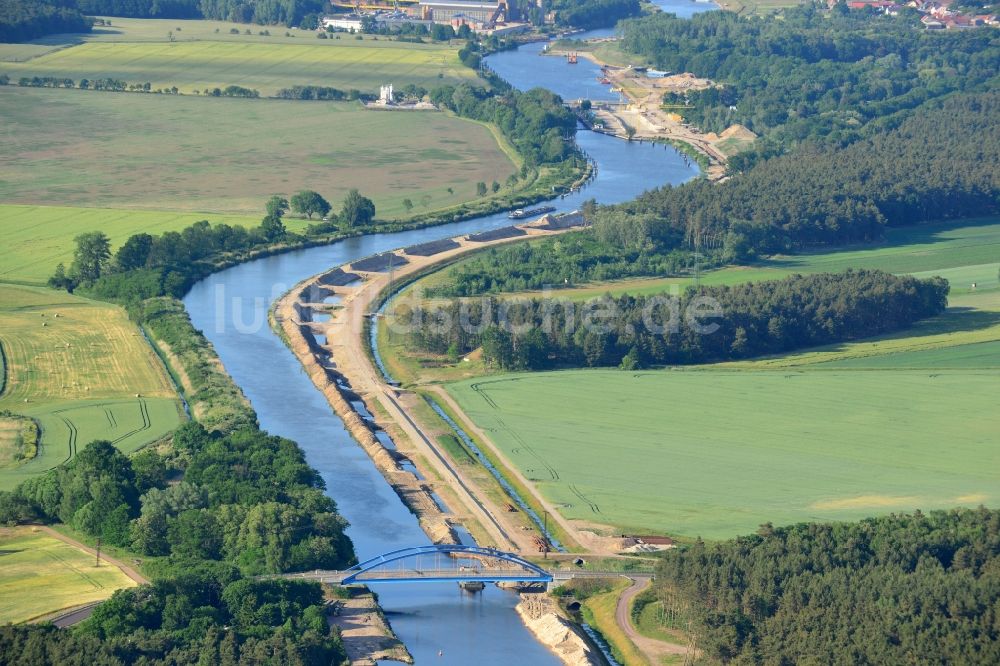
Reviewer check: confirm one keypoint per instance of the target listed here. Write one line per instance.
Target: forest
(590, 14)
(812, 75)
(938, 164)
(179, 9)
(286, 12)
(918, 588)
(732, 322)
(27, 19)
(24, 20)
(211, 513)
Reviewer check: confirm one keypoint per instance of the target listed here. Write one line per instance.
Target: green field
(153, 152)
(84, 372)
(716, 453)
(40, 575)
(139, 51)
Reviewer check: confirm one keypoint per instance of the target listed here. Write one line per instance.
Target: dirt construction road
(653, 649)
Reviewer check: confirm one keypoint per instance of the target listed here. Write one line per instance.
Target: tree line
(287, 12)
(937, 164)
(891, 590)
(24, 20)
(146, 266)
(813, 75)
(739, 321)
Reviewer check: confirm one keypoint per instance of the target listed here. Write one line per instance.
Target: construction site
(640, 113)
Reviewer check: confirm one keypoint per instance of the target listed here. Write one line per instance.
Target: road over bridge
(451, 563)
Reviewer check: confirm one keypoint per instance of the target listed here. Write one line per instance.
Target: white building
(347, 22)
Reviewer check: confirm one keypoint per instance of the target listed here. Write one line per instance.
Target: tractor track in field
(481, 392)
(146, 423)
(73, 433)
(576, 491)
(520, 440)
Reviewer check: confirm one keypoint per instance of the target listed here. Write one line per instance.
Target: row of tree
(816, 75)
(320, 93)
(286, 12)
(146, 266)
(704, 324)
(892, 590)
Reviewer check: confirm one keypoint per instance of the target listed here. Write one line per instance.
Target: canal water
(439, 623)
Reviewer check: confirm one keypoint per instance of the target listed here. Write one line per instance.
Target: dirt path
(126, 569)
(366, 635)
(650, 647)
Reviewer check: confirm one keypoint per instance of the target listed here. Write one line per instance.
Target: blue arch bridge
(446, 563)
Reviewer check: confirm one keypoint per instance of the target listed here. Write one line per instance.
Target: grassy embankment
(40, 575)
(83, 372)
(598, 601)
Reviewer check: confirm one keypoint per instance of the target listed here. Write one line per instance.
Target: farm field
(40, 575)
(139, 51)
(715, 452)
(135, 151)
(84, 372)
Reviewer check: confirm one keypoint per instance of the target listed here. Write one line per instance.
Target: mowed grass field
(40, 575)
(139, 51)
(188, 154)
(716, 453)
(84, 372)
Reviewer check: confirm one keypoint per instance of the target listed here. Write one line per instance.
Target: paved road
(68, 619)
